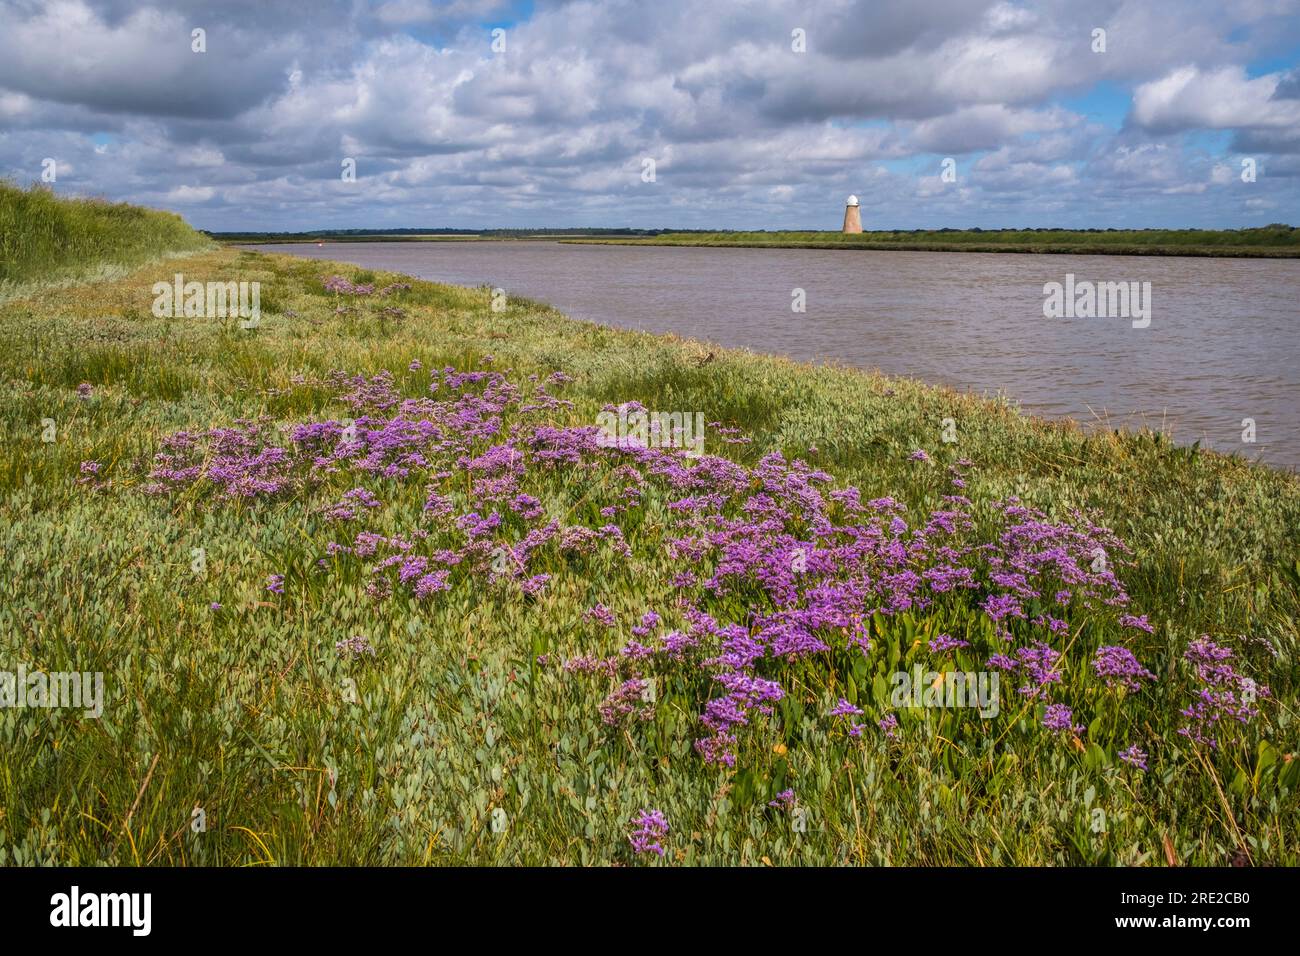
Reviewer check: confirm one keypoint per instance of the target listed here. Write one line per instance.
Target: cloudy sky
(756, 113)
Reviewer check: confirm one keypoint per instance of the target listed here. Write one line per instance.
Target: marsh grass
(239, 711)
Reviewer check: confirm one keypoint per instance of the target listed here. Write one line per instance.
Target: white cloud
(445, 132)
(190, 194)
(1189, 98)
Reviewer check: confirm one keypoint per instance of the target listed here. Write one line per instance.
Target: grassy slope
(1269, 241)
(242, 707)
(45, 239)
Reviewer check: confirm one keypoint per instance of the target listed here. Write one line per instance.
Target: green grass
(1275, 241)
(49, 240)
(246, 712)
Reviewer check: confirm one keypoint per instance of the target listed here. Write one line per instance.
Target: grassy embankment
(1276, 241)
(462, 738)
(46, 240)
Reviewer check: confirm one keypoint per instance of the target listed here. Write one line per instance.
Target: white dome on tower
(853, 200)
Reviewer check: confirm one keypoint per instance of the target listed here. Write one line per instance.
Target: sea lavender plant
(650, 830)
(1223, 694)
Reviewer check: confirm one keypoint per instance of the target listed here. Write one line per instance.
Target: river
(1222, 344)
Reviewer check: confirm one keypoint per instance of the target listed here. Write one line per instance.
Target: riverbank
(367, 647)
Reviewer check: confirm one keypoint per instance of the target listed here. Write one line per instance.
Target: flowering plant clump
(777, 568)
(1059, 719)
(783, 800)
(1134, 756)
(344, 286)
(358, 645)
(1118, 667)
(628, 700)
(889, 724)
(1223, 694)
(650, 829)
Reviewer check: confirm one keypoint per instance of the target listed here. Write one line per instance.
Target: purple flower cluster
(1118, 667)
(784, 800)
(343, 286)
(355, 646)
(650, 830)
(601, 615)
(1134, 756)
(627, 701)
(774, 567)
(89, 471)
(845, 709)
(1060, 719)
(944, 642)
(889, 724)
(1223, 694)
(1039, 665)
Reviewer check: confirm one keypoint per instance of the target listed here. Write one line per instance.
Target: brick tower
(852, 218)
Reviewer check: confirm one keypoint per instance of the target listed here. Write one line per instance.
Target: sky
(756, 114)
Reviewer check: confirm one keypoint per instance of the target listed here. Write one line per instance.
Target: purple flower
(889, 724)
(1059, 719)
(784, 800)
(1134, 756)
(1118, 666)
(601, 615)
(85, 390)
(628, 700)
(535, 585)
(589, 664)
(943, 642)
(650, 827)
(1140, 623)
(999, 606)
(1224, 693)
(430, 584)
(340, 285)
(354, 647)
(649, 621)
(1038, 664)
(526, 506)
(845, 709)
(795, 568)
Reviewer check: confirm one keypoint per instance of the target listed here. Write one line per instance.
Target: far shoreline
(1276, 241)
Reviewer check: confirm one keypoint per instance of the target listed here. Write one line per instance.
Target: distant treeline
(1277, 240)
(1275, 234)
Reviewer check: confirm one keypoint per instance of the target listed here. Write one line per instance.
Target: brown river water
(1222, 343)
